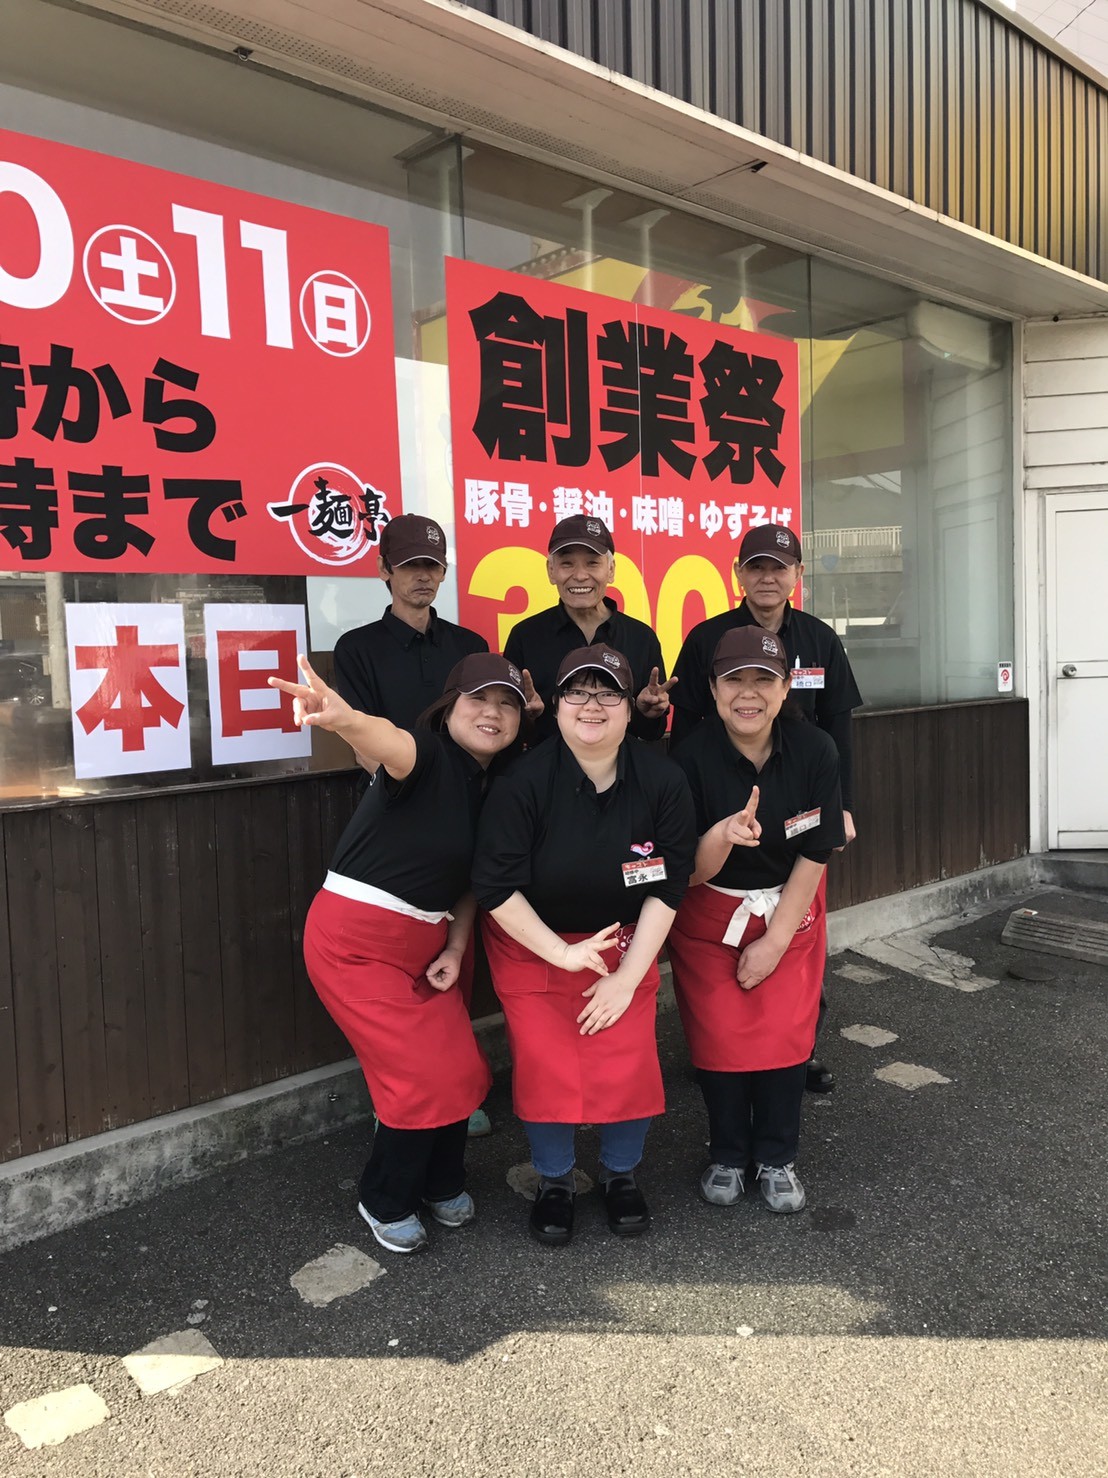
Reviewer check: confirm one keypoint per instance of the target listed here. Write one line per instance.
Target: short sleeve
(506, 836)
(675, 834)
(840, 693)
(429, 756)
(686, 761)
(823, 791)
(690, 695)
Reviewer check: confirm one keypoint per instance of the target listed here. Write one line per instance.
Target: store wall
(150, 925)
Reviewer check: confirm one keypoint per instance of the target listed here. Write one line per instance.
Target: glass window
(909, 542)
(907, 402)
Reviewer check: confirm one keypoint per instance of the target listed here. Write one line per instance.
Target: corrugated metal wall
(942, 101)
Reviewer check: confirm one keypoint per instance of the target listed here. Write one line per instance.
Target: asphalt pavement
(941, 1307)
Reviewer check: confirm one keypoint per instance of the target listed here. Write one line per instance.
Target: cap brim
(781, 559)
(596, 548)
(779, 670)
(594, 667)
(396, 563)
(496, 682)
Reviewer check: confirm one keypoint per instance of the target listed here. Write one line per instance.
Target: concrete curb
(45, 1193)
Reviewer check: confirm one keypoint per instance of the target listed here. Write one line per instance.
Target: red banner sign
(679, 433)
(192, 379)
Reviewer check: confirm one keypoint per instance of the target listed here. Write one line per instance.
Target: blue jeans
(553, 1152)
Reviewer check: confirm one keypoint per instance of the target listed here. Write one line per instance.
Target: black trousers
(754, 1116)
(410, 1166)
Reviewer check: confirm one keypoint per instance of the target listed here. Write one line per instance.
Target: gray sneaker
(781, 1190)
(408, 1235)
(456, 1212)
(722, 1185)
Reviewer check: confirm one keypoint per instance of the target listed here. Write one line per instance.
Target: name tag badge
(808, 677)
(649, 870)
(806, 821)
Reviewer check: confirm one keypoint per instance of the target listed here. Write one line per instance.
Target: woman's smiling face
(749, 700)
(592, 726)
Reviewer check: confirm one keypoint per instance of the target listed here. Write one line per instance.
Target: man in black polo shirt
(769, 567)
(396, 667)
(581, 564)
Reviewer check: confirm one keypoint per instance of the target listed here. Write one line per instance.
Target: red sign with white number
(677, 432)
(193, 379)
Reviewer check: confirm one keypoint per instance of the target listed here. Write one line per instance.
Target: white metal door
(1077, 668)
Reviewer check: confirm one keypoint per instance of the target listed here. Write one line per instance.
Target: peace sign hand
(315, 705)
(653, 701)
(588, 954)
(744, 829)
(532, 704)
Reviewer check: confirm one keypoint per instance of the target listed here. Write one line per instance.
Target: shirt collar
(736, 756)
(582, 784)
(750, 619)
(406, 634)
(567, 620)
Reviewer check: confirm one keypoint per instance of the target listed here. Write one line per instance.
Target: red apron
(730, 1030)
(415, 1044)
(559, 1076)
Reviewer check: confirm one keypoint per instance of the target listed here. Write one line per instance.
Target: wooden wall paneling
(159, 870)
(34, 966)
(80, 991)
(959, 811)
(201, 947)
(269, 985)
(11, 1143)
(116, 827)
(238, 929)
(927, 740)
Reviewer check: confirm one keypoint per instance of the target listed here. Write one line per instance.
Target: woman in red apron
(386, 935)
(583, 853)
(750, 941)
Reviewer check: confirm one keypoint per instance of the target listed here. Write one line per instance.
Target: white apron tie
(758, 903)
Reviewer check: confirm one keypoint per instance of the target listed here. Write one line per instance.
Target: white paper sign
(128, 688)
(1005, 677)
(245, 645)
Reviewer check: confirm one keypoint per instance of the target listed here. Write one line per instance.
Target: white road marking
(171, 1362)
(909, 1075)
(861, 974)
(868, 1036)
(341, 1271)
(48, 1420)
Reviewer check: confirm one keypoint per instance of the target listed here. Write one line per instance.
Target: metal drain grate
(1055, 934)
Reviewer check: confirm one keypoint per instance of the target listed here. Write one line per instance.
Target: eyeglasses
(606, 697)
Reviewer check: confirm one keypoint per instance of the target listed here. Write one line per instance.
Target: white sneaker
(457, 1212)
(722, 1185)
(780, 1188)
(409, 1235)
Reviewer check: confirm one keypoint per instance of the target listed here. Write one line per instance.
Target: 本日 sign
(193, 379)
(679, 433)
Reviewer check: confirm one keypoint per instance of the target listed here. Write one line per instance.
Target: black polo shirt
(546, 833)
(414, 837)
(800, 776)
(809, 643)
(389, 669)
(541, 642)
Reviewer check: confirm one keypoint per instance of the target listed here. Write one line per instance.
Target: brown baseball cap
(483, 670)
(770, 541)
(581, 529)
(750, 646)
(412, 536)
(600, 659)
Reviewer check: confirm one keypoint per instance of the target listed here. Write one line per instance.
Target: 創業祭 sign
(680, 434)
(193, 379)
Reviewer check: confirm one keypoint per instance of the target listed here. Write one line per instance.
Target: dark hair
(577, 680)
